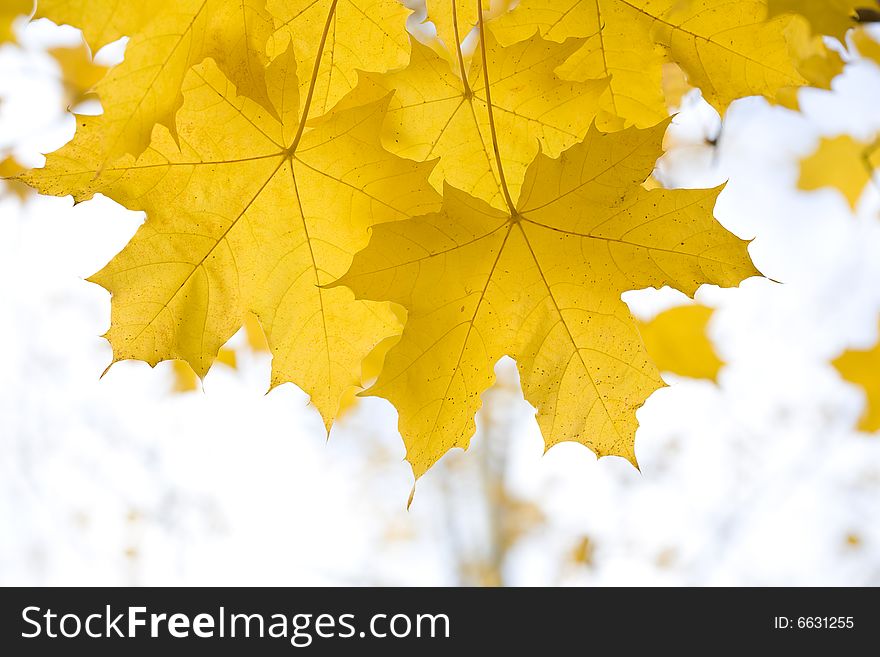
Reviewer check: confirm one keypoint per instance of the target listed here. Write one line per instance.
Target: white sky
(756, 480)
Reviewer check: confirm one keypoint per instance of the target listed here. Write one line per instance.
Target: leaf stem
(311, 92)
(501, 178)
(458, 54)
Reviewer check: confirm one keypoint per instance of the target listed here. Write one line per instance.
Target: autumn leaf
(818, 65)
(267, 143)
(727, 49)
(831, 17)
(618, 45)
(145, 89)
(862, 369)
(677, 342)
(9, 169)
(9, 11)
(441, 112)
(249, 214)
(842, 163)
(352, 35)
(79, 74)
(541, 281)
(730, 50)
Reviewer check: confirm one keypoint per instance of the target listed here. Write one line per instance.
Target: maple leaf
(9, 11)
(861, 368)
(145, 89)
(831, 17)
(79, 74)
(728, 49)
(541, 281)
(441, 112)
(677, 342)
(365, 35)
(842, 163)
(249, 214)
(818, 65)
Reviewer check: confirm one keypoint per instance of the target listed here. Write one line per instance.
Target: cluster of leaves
(849, 165)
(424, 207)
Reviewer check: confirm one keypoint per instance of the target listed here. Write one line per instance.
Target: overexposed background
(760, 479)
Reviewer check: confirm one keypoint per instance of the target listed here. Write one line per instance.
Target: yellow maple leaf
(727, 49)
(249, 214)
(677, 342)
(9, 11)
(831, 17)
(440, 111)
(731, 50)
(145, 89)
(618, 45)
(79, 74)
(862, 368)
(365, 35)
(541, 281)
(842, 163)
(817, 64)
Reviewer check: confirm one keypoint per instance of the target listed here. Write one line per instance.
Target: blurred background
(758, 477)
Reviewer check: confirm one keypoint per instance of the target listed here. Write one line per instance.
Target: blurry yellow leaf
(436, 114)
(677, 342)
(368, 35)
(831, 17)
(582, 552)
(867, 45)
(9, 168)
(254, 333)
(9, 11)
(675, 85)
(249, 214)
(186, 380)
(842, 163)
(541, 281)
(79, 74)
(370, 369)
(863, 369)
